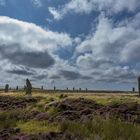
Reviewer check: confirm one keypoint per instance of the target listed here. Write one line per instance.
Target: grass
(96, 129)
(34, 126)
(109, 98)
(8, 118)
(110, 129)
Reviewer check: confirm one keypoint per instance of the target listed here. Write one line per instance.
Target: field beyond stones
(69, 116)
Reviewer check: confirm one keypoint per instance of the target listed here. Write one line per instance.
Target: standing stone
(17, 88)
(86, 90)
(28, 87)
(133, 89)
(54, 88)
(6, 88)
(42, 88)
(139, 85)
(73, 88)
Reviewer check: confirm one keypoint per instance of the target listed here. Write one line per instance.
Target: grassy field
(41, 115)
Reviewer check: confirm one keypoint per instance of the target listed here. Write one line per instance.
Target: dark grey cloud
(118, 74)
(16, 56)
(40, 77)
(20, 72)
(54, 77)
(72, 75)
(86, 77)
(88, 61)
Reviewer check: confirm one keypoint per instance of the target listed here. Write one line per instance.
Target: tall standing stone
(54, 88)
(73, 88)
(17, 88)
(139, 85)
(133, 89)
(28, 87)
(6, 88)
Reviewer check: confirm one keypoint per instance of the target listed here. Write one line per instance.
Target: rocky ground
(66, 109)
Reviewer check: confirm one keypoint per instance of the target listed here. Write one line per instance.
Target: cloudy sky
(91, 44)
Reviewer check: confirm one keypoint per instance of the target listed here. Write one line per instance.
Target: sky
(92, 44)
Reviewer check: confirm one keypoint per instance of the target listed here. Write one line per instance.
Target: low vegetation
(70, 117)
(110, 129)
(34, 126)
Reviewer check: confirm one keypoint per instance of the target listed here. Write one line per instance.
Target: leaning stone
(6, 88)
(28, 88)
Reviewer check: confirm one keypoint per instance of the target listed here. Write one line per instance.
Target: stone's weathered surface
(28, 87)
(139, 85)
(6, 88)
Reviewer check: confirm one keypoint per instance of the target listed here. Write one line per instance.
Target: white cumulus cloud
(87, 6)
(111, 53)
(31, 36)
